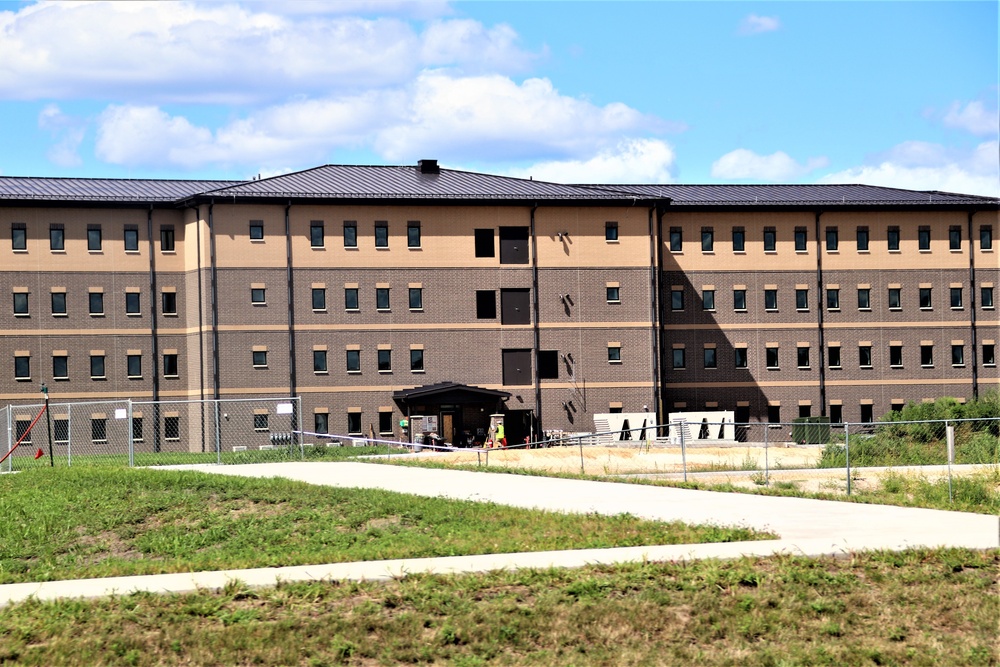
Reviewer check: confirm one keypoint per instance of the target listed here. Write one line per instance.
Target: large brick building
(374, 292)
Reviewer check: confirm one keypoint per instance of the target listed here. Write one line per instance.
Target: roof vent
(428, 167)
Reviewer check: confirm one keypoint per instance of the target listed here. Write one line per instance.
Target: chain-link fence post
(949, 431)
(847, 454)
(218, 435)
(767, 436)
(298, 428)
(131, 436)
(580, 442)
(682, 425)
(10, 442)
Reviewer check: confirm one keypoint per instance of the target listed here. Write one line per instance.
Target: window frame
(614, 354)
(381, 234)
(986, 298)
(613, 294)
(320, 362)
(168, 240)
(927, 356)
(863, 239)
(350, 292)
(957, 356)
(897, 294)
(258, 296)
(985, 238)
(19, 237)
(352, 361)
(926, 298)
(53, 304)
(678, 358)
(770, 239)
(413, 234)
(740, 296)
(95, 238)
(95, 304)
(955, 238)
(708, 299)
(924, 238)
(834, 358)
(130, 238)
(63, 373)
(801, 239)
(863, 352)
(772, 358)
(384, 360)
(350, 234)
(710, 358)
(865, 303)
(98, 367)
(892, 239)
(895, 356)
(802, 353)
(133, 304)
(21, 304)
(317, 234)
(168, 304)
(317, 298)
(22, 367)
(417, 360)
(741, 357)
(676, 299)
(171, 369)
(833, 239)
(676, 239)
(416, 304)
(256, 230)
(259, 358)
(133, 366)
(707, 239)
(739, 239)
(57, 238)
(833, 298)
(611, 231)
(956, 298)
(382, 301)
(771, 300)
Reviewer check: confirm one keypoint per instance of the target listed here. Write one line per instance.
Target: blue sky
(903, 94)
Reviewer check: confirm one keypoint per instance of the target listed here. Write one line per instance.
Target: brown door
(448, 427)
(514, 306)
(516, 367)
(513, 245)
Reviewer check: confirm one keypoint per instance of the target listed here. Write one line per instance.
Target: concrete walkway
(806, 527)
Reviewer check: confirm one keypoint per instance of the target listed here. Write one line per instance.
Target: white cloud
(974, 117)
(754, 25)
(630, 161)
(67, 133)
(922, 166)
(475, 45)
(745, 164)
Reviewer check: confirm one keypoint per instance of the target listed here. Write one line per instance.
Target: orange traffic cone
(39, 454)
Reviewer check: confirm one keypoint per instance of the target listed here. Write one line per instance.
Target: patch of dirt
(106, 544)
(382, 522)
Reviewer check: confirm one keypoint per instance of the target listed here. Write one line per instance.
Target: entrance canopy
(447, 393)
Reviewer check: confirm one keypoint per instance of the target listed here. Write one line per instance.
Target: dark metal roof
(103, 189)
(448, 390)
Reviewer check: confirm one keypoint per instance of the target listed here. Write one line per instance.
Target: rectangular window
(21, 431)
(548, 365)
(132, 305)
(800, 239)
(60, 367)
(94, 242)
(22, 367)
(864, 298)
(97, 366)
(354, 361)
(954, 238)
(131, 238)
(416, 298)
(382, 298)
(260, 358)
(256, 230)
(925, 298)
(385, 423)
(676, 239)
(385, 361)
(989, 354)
(486, 304)
(319, 298)
(986, 237)
(351, 298)
(833, 356)
(957, 355)
(168, 303)
(802, 357)
(317, 234)
(865, 356)
(610, 231)
(413, 234)
(381, 234)
(172, 428)
(927, 355)
(96, 303)
(770, 299)
(58, 303)
(166, 238)
(354, 423)
(805, 411)
(774, 414)
(892, 238)
(18, 236)
(772, 357)
(60, 430)
(679, 358)
(485, 246)
(321, 422)
(57, 237)
(170, 365)
(416, 361)
(707, 239)
(956, 297)
(867, 413)
(133, 363)
(895, 302)
(833, 299)
(319, 361)
(708, 299)
(99, 429)
(896, 356)
(350, 234)
(739, 239)
(677, 299)
(21, 304)
(862, 239)
(614, 354)
(740, 357)
(837, 414)
(739, 299)
(832, 239)
(770, 239)
(709, 357)
(924, 238)
(260, 422)
(258, 296)
(614, 294)
(986, 297)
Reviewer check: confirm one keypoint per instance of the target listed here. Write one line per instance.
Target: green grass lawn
(79, 522)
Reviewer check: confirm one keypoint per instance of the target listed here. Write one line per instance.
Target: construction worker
(500, 437)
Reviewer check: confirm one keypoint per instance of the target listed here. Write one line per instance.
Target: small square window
(865, 356)
(610, 231)
(21, 304)
(614, 354)
(318, 298)
(864, 298)
(802, 299)
(132, 305)
(413, 235)
(925, 298)
(707, 239)
(989, 354)
(18, 236)
(770, 239)
(319, 361)
(168, 303)
(836, 414)
(896, 356)
(256, 230)
(957, 355)
(96, 303)
(385, 423)
(167, 238)
(739, 299)
(382, 298)
(832, 239)
(927, 355)
(353, 361)
(350, 234)
(677, 299)
(131, 238)
(833, 355)
(867, 413)
(97, 366)
(170, 365)
(676, 239)
(317, 234)
(258, 295)
(321, 422)
(924, 238)
(416, 298)
(802, 357)
(986, 297)
(895, 301)
(60, 367)
(801, 239)
(770, 299)
(486, 304)
(956, 297)
(351, 298)
(892, 238)
(833, 299)
(774, 414)
(58, 303)
(710, 359)
(260, 422)
(954, 238)
(416, 360)
(772, 357)
(485, 246)
(94, 242)
(614, 294)
(708, 299)
(354, 423)
(740, 357)
(260, 358)
(986, 238)
(862, 239)
(381, 234)
(678, 357)
(134, 365)
(385, 361)
(22, 368)
(57, 238)
(172, 428)
(739, 239)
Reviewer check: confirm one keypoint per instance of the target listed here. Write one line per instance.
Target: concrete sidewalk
(805, 526)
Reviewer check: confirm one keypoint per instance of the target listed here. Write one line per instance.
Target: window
(385, 361)
(862, 239)
(61, 430)
(925, 297)
(131, 238)
(258, 296)
(416, 361)
(805, 411)
(381, 234)
(416, 298)
(97, 366)
(321, 422)
(168, 303)
(382, 298)
(167, 238)
(740, 357)
(770, 239)
(677, 299)
(99, 429)
(58, 303)
(351, 298)
(22, 367)
(800, 239)
(897, 406)
(319, 298)
(864, 298)
(770, 299)
(354, 361)
(989, 354)
(739, 239)
(957, 355)
(170, 364)
(837, 414)
(832, 239)
(610, 231)
(317, 234)
(709, 357)
(133, 363)
(319, 361)
(486, 304)
(260, 421)
(614, 294)
(385, 423)
(802, 357)
(895, 303)
(833, 356)
(60, 367)
(350, 234)
(956, 297)
(354, 423)
(772, 357)
(896, 356)
(260, 358)
(892, 238)
(18, 236)
(57, 237)
(96, 304)
(774, 414)
(708, 299)
(172, 428)
(94, 238)
(21, 431)
(833, 299)
(679, 357)
(413, 234)
(256, 230)
(676, 239)
(986, 297)
(548, 365)
(20, 304)
(927, 355)
(867, 413)
(865, 356)
(954, 238)
(707, 239)
(614, 354)
(132, 305)
(924, 238)
(485, 247)
(986, 238)
(739, 299)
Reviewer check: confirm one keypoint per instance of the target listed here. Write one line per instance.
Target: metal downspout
(972, 306)
(819, 320)
(215, 300)
(661, 408)
(536, 333)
